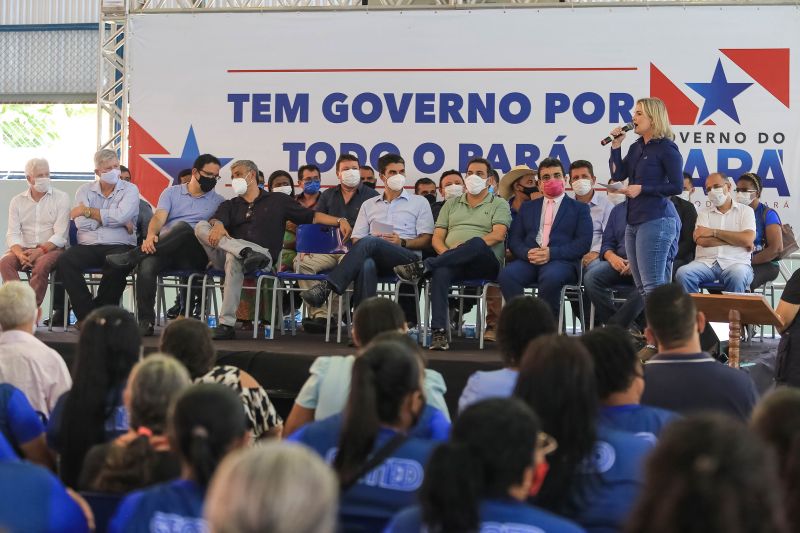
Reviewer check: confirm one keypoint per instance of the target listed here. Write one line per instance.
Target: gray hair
(246, 163)
(101, 156)
(267, 488)
(35, 163)
(17, 305)
(155, 382)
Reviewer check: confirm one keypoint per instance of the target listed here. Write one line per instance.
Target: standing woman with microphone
(653, 168)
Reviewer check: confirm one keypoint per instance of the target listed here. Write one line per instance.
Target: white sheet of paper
(613, 185)
(381, 228)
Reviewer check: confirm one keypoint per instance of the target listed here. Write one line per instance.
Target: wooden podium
(736, 309)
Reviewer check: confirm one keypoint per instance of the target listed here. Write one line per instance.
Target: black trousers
(69, 272)
(179, 249)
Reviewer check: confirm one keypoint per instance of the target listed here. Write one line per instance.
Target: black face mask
(206, 184)
(370, 184)
(530, 190)
(430, 197)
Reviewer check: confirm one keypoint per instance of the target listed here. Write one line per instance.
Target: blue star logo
(172, 166)
(719, 94)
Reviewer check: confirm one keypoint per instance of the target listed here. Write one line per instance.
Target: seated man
(612, 270)
(469, 238)
(343, 201)
(548, 238)
(582, 181)
(724, 236)
(391, 229)
(681, 377)
(367, 176)
(451, 185)
(518, 186)
(246, 232)
(38, 229)
(426, 188)
(170, 243)
(105, 216)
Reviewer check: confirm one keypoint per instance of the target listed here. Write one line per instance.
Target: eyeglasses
(249, 214)
(740, 189)
(203, 174)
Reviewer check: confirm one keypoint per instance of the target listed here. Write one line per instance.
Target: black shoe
(224, 333)
(412, 272)
(439, 340)
(252, 261)
(58, 319)
(125, 260)
(317, 295)
(316, 325)
(175, 311)
(146, 328)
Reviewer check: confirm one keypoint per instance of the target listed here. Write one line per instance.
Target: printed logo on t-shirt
(601, 460)
(404, 475)
(172, 523)
(498, 527)
(649, 437)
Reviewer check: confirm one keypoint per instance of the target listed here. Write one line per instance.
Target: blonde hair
(267, 488)
(656, 111)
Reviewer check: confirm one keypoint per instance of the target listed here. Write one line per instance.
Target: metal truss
(112, 83)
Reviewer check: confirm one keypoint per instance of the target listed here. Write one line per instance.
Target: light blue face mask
(491, 189)
(311, 187)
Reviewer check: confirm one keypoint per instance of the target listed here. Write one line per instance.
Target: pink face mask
(553, 188)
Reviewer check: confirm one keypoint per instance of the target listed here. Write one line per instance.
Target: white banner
(439, 87)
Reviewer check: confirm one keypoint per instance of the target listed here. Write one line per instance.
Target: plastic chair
(480, 299)
(569, 293)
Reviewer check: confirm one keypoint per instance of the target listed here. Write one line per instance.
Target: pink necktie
(548, 222)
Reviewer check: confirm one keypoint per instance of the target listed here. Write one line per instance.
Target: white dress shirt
(600, 209)
(32, 223)
(739, 217)
(34, 368)
(557, 201)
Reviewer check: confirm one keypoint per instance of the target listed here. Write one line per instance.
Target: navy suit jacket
(570, 236)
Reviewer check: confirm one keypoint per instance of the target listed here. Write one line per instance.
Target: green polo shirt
(464, 222)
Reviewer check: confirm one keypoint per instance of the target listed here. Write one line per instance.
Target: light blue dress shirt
(181, 206)
(409, 214)
(117, 211)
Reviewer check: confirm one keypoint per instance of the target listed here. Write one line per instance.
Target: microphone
(627, 127)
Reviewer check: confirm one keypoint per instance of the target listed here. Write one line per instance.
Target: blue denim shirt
(658, 167)
(117, 211)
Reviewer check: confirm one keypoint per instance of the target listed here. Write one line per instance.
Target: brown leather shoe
(490, 335)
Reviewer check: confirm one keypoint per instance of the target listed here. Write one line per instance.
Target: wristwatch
(402, 243)
(87, 213)
(339, 221)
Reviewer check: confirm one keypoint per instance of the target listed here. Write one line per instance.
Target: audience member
(142, 456)
(206, 423)
(22, 427)
(368, 445)
(768, 242)
(145, 210)
(189, 341)
(620, 383)
(26, 362)
(681, 377)
(377, 249)
(426, 188)
(582, 181)
(38, 229)
(709, 474)
(343, 201)
(518, 186)
(481, 479)
(548, 238)
(521, 321)
(275, 488)
(776, 419)
(724, 235)
(310, 180)
(325, 391)
(688, 188)
(687, 213)
(105, 217)
(170, 243)
(93, 412)
(246, 234)
(595, 474)
(184, 177)
(451, 185)
(787, 367)
(367, 176)
(469, 240)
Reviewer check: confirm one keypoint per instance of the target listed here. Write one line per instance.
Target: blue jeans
(651, 247)
(474, 259)
(550, 278)
(597, 281)
(369, 258)
(735, 278)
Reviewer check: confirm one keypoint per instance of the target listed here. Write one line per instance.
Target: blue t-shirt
(611, 477)
(32, 500)
(116, 424)
(174, 506)
(19, 423)
(377, 496)
(7, 453)
(641, 420)
(496, 516)
(761, 227)
(488, 384)
(181, 206)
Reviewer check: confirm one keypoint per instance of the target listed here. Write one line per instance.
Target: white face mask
(351, 177)
(686, 195)
(111, 177)
(475, 184)
(582, 187)
(454, 190)
(396, 182)
(41, 185)
(744, 197)
(616, 198)
(283, 189)
(239, 186)
(718, 197)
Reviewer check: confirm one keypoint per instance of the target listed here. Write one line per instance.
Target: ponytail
(127, 467)
(202, 458)
(451, 490)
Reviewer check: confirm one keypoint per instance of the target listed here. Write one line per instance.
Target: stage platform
(281, 365)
